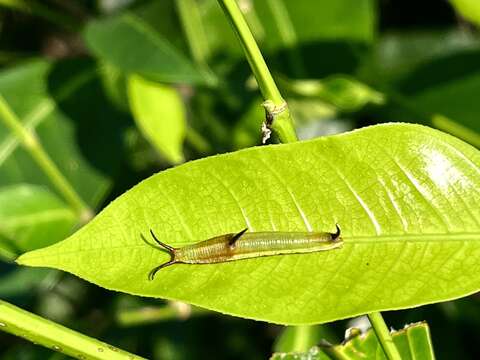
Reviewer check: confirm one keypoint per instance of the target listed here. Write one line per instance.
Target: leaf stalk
(280, 121)
(383, 335)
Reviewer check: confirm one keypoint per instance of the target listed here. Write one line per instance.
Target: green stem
(29, 140)
(384, 336)
(248, 10)
(151, 314)
(44, 332)
(302, 338)
(280, 119)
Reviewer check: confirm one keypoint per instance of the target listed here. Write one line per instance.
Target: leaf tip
(29, 258)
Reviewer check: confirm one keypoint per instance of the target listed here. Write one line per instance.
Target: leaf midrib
(354, 240)
(450, 236)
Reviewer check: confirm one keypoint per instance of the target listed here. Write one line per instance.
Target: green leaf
(343, 92)
(434, 84)
(24, 281)
(63, 102)
(396, 54)
(315, 21)
(32, 217)
(405, 196)
(311, 35)
(436, 88)
(447, 85)
(141, 49)
(413, 342)
(160, 114)
(114, 83)
(469, 9)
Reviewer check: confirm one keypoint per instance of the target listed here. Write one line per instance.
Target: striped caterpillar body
(244, 245)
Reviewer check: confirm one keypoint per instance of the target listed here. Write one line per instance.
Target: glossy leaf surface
(405, 196)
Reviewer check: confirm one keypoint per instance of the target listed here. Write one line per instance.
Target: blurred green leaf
(403, 244)
(315, 21)
(114, 84)
(160, 114)
(395, 54)
(48, 12)
(82, 133)
(430, 77)
(413, 342)
(323, 41)
(23, 281)
(7, 249)
(448, 86)
(469, 9)
(343, 92)
(141, 50)
(247, 131)
(32, 217)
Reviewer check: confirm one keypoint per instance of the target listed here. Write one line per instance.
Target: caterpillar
(244, 245)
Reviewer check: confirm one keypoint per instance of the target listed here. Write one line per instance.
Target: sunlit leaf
(469, 9)
(405, 196)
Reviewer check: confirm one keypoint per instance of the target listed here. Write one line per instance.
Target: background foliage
(67, 71)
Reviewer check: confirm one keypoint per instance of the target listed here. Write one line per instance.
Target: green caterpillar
(244, 245)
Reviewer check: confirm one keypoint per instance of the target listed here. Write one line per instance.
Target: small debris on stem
(271, 111)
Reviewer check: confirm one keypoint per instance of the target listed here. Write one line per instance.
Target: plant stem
(302, 338)
(44, 332)
(29, 140)
(281, 121)
(154, 314)
(384, 336)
